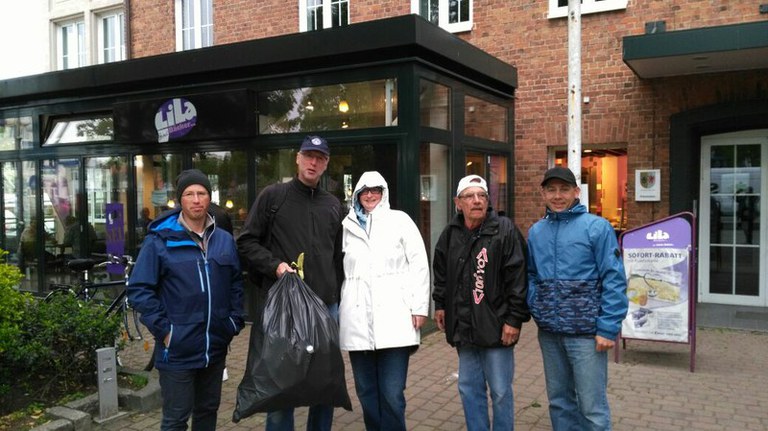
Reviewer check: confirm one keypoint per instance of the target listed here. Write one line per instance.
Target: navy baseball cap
(315, 143)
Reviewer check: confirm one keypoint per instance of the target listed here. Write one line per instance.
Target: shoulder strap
(272, 211)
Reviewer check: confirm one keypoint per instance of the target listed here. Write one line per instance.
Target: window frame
(587, 7)
(74, 27)
(201, 24)
(443, 16)
(326, 6)
(118, 33)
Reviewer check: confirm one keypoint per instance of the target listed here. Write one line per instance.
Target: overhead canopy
(725, 48)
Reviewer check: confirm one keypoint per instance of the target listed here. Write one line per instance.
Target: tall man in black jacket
(289, 219)
(480, 288)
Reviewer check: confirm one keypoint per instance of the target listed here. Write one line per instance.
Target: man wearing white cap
(480, 289)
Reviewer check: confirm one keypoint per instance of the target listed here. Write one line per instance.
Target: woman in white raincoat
(384, 300)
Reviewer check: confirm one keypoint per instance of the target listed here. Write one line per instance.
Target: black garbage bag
(294, 357)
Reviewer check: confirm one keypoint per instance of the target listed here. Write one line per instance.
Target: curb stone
(78, 415)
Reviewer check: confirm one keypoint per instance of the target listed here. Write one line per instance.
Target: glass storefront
(84, 176)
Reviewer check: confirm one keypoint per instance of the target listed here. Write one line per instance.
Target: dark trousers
(195, 393)
(380, 382)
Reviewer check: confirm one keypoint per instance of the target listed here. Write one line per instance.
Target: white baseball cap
(471, 181)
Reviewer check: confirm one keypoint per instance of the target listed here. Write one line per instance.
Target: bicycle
(86, 290)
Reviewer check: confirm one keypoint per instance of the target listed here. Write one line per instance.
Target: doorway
(731, 252)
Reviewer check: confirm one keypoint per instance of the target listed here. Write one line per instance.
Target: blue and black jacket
(194, 295)
(576, 279)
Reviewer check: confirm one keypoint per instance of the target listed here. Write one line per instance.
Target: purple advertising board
(115, 235)
(658, 263)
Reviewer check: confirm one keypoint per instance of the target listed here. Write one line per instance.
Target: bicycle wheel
(59, 291)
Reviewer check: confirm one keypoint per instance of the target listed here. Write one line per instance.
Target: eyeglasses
(372, 190)
(470, 196)
(192, 195)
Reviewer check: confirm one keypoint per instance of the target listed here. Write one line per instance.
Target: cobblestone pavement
(651, 388)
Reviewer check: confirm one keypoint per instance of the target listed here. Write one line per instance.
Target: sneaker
(225, 376)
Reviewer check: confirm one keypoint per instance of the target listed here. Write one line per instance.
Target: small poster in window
(648, 185)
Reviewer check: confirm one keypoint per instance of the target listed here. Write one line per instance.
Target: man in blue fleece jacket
(577, 296)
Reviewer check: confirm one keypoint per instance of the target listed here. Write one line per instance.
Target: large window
(559, 8)
(110, 38)
(70, 45)
(352, 105)
(452, 15)
(70, 130)
(434, 105)
(194, 24)
(320, 14)
(485, 119)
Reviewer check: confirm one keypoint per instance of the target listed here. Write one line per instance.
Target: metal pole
(574, 88)
(107, 376)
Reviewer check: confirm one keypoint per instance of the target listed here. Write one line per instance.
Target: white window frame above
(326, 5)
(200, 24)
(443, 19)
(76, 51)
(117, 32)
(587, 7)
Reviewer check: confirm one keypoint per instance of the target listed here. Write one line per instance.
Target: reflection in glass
(434, 105)
(368, 104)
(484, 119)
(747, 271)
(12, 226)
(106, 183)
(434, 213)
(74, 130)
(228, 173)
(27, 253)
(15, 133)
(721, 270)
(155, 187)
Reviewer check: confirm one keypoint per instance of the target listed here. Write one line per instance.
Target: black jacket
(480, 280)
(306, 221)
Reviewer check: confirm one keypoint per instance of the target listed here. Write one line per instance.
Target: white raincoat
(386, 276)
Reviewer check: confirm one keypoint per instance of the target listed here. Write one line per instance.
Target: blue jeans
(577, 380)
(481, 369)
(380, 381)
(195, 393)
(320, 418)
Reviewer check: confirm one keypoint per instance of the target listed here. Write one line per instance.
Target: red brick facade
(624, 110)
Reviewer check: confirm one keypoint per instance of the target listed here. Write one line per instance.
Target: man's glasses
(372, 190)
(192, 195)
(471, 196)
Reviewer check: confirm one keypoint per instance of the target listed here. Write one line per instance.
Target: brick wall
(152, 28)
(623, 109)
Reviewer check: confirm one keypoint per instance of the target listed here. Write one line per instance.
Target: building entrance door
(732, 252)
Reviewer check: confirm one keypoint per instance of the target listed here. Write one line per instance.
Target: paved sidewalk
(651, 389)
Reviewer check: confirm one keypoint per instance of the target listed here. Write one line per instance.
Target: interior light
(310, 107)
(343, 106)
(469, 163)
(229, 204)
(171, 203)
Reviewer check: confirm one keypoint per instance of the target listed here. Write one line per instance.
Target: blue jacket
(576, 279)
(194, 295)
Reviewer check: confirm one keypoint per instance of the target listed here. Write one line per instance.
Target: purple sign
(657, 260)
(115, 231)
(174, 119)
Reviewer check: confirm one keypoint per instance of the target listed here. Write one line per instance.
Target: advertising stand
(660, 263)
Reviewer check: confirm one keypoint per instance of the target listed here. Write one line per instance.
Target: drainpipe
(574, 88)
(127, 30)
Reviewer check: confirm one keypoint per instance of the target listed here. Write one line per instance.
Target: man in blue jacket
(577, 297)
(187, 285)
